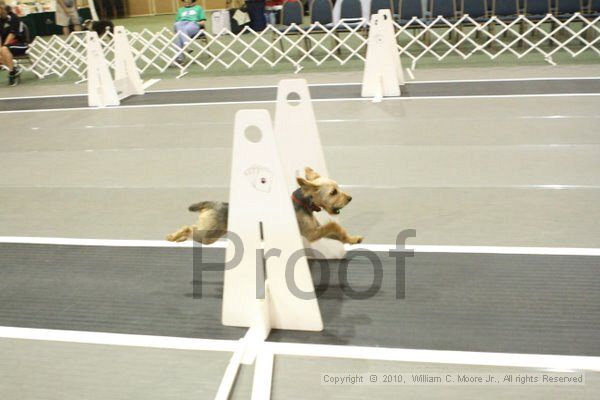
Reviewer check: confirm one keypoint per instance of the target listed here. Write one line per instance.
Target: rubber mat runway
(463, 302)
(321, 92)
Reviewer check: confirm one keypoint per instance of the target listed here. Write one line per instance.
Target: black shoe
(14, 77)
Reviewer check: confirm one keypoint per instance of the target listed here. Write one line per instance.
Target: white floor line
(150, 82)
(181, 90)
(153, 81)
(313, 350)
(507, 96)
(352, 187)
(360, 83)
(248, 87)
(207, 89)
(137, 106)
(263, 375)
(103, 242)
(48, 96)
(512, 79)
(437, 356)
(549, 251)
(486, 96)
(118, 339)
(147, 84)
(562, 251)
(231, 371)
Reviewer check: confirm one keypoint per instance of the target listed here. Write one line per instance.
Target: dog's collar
(304, 202)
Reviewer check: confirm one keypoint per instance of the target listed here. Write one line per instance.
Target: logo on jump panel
(260, 177)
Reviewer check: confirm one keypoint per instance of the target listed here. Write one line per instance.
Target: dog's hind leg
(212, 224)
(181, 235)
(206, 236)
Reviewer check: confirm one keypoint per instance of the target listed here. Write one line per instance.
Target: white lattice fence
(316, 44)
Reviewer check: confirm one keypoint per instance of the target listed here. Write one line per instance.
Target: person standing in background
(66, 15)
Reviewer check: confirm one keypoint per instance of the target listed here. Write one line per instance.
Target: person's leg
(62, 20)
(191, 29)
(75, 20)
(6, 58)
(179, 27)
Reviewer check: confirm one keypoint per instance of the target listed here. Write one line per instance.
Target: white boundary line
(437, 356)
(118, 339)
(138, 106)
(224, 103)
(252, 87)
(210, 186)
(147, 84)
(483, 96)
(511, 79)
(221, 244)
(153, 81)
(43, 97)
(360, 83)
(150, 82)
(312, 350)
(549, 251)
(102, 242)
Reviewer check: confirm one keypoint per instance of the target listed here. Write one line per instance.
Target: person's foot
(177, 63)
(14, 76)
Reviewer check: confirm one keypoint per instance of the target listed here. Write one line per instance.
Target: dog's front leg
(181, 235)
(333, 230)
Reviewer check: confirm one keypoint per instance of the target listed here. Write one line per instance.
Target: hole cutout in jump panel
(253, 133)
(293, 99)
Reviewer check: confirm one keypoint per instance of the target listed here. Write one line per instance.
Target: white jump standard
(270, 286)
(102, 90)
(383, 74)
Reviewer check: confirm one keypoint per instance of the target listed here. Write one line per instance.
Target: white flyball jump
(127, 77)
(271, 286)
(262, 215)
(383, 74)
(102, 90)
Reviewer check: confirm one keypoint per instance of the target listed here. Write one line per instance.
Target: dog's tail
(203, 205)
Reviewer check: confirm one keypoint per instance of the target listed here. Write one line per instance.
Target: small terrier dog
(315, 193)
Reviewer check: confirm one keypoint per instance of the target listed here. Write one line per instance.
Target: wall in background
(166, 6)
(140, 7)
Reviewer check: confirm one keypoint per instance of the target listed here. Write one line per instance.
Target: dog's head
(324, 192)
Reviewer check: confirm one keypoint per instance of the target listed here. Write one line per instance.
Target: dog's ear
(307, 186)
(311, 175)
